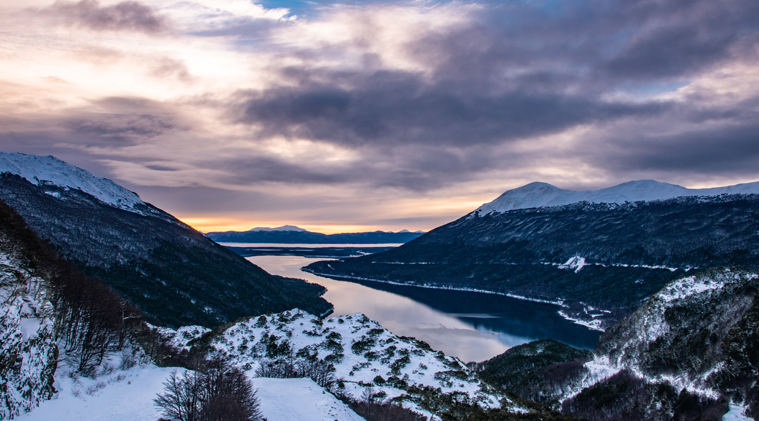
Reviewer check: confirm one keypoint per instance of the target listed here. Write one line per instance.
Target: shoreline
(591, 325)
(559, 303)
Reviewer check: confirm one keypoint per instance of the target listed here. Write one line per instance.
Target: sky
(344, 116)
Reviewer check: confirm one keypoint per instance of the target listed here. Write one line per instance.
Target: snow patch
(685, 287)
(122, 395)
(300, 399)
(736, 413)
(592, 324)
(575, 263)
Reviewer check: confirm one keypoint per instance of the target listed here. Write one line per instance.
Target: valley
(642, 310)
(470, 326)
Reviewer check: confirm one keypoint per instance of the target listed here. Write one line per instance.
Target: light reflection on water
(471, 326)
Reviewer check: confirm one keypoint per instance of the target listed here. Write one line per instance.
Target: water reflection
(471, 326)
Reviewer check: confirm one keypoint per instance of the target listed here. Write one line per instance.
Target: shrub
(216, 392)
(318, 371)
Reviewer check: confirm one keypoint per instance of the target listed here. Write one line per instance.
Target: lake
(471, 326)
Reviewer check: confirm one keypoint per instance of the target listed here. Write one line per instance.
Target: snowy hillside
(300, 399)
(110, 234)
(47, 170)
(694, 341)
(536, 195)
(365, 357)
(119, 395)
(27, 341)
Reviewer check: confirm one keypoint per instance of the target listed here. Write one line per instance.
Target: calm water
(312, 246)
(471, 326)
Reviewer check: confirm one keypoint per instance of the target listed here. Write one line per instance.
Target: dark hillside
(170, 271)
(514, 369)
(605, 255)
(307, 237)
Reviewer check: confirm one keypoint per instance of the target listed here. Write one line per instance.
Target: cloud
(724, 150)
(388, 99)
(399, 108)
(124, 16)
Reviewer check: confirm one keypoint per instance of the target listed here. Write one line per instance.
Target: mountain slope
(28, 351)
(690, 352)
(538, 195)
(170, 271)
(605, 255)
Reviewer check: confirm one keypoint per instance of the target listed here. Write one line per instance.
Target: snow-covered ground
(299, 400)
(536, 195)
(119, 396)
(736, 414)
(128, 396)
(364, 355)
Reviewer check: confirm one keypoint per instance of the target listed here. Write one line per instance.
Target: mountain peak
(537, 194)
(282, 228)
(49, 170)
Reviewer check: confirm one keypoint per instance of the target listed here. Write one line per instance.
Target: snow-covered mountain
(609, 249)
(537, 195)
(49, 170)
(170, 271)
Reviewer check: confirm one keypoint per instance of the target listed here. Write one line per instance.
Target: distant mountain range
(170, 271)
(289, 234)
(607, 249)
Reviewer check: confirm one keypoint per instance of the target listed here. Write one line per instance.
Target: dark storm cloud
(521, 70)
(396, 108)
(593, 43)
(122, 120)
(124, 16)
(118, 122)
(120, 127)
(415, 168)
(731, 150)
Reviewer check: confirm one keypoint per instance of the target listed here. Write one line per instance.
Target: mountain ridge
(540, 195)
(51, 170)
(289, 236)
(586, 255)
(170, 271)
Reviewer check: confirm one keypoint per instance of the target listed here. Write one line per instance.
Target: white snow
(337, 340)
(536, 195)
(575, 263)
(691, 285)
(129, 395)
(299, 400)
(592, 324)
(123, 395)
(179, 338)
(736, 414)
(47, 170)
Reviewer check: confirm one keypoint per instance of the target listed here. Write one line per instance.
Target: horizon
(340, 116)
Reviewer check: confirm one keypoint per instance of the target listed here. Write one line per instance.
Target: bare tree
(217, 392)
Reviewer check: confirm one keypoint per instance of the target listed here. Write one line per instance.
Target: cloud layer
(414, 104)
